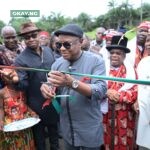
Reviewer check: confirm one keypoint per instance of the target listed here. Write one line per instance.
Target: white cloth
(130, 57)
(143, 132)
(104, 52)
(130, 74)
(104, 106)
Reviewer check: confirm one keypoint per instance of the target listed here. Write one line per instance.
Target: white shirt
(143, 132)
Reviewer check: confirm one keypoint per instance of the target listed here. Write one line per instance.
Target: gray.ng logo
(25, 13)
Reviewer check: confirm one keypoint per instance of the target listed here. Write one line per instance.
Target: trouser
(53, 136)
(70, 147)
(40, 136)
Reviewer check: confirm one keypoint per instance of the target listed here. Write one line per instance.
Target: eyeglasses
(66, 45)
(27, 37)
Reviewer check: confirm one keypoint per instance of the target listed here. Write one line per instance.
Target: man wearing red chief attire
(119, 122)
(137, 44)
(44, 38)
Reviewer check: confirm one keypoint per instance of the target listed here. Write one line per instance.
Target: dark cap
(28, 28)
(119, 42)
(122, 29)
(70, 29)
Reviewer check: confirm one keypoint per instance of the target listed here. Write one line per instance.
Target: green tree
(123, 14)
(112, 4)
(85, 21)
(145, 11)
(52, 22)
(57, 20)
(2, 24)
(16, 22)
(43, 24)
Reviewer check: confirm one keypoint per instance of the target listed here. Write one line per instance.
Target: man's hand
(47, 92)
(113, 95)
(9, 75)
(59, 79)
(136, 106)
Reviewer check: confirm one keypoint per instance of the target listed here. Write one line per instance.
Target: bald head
(6, 30)
(8, 34)
(99, 34)
(100, 29)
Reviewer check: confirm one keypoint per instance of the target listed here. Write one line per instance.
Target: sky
(68, 8)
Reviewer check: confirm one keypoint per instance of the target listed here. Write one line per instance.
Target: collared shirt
(143, 132)
(81, 119)
(30, 81)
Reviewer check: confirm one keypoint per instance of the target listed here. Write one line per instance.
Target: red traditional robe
(124, 117)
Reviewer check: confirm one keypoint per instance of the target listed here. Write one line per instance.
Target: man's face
(108, 40)
(44, 40)
(147, 44)
(99, 34)
(69, 46)
(141, 36)
(117, 57)
(10, 39)
(85, 44)
(53, 43)
(31, 40)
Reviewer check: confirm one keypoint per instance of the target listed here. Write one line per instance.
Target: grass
(91, 34)
(129, 34)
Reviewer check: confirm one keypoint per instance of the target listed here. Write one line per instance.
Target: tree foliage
(16, 22)
(123, 14)
(2, 24)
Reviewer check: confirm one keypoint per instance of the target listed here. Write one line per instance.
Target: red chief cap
(145, 24)
(45, 33)
(110, 34)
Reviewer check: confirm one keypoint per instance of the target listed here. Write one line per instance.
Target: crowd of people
(45, 69)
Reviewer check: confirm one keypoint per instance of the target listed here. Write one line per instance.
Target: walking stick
(112, 146)
(112, 127)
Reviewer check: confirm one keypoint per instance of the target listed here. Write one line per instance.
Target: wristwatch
(75, 84)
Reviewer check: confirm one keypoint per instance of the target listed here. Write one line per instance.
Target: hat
(45, 33)
(28, 28)
(119, 42)
(145, 24)
(70, 29)
(111, 33)
(122, 29)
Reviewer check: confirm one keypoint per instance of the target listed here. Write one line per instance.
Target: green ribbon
(55, 103)
(145, 82)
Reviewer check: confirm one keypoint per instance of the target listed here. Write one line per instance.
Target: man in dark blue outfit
(37, 57)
